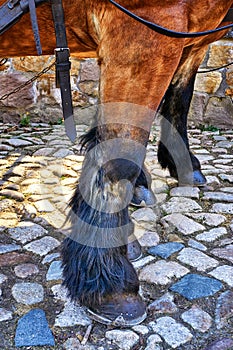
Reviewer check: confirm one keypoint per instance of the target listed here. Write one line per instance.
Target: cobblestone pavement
(186, 271)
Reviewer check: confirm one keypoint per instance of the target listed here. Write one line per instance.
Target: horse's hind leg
(173, 150)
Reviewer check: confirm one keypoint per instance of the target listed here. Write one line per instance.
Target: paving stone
(72, 315)
(222, 344)
(224, 273)
(224, 309)
(182, 223)
(222, 208)
(138, 264)
(42, 246)
(60, 293)
(227, 189)
(27, 231)
(218, 196)
(152, 342)
(25, 270)
(50, 257)
(3, 278)
(224, 253)
(18, 142)
(55, 271)
(226, 177)
(209, 218)
(141, 329)
(7, 248)
(72, 344)
(180, 205)
(11, 259)
(162, 272)
(44, 152)
(212, 180)
(192, 192)
(224, 144)
(197, 319)
(197, 245)
(44, 206)
(12, 194)
(197, 259)
(5, 204)
(174, 333)
(124, 339)
(145, 217)
(148, 239)
(212, 235)
(165, 304)
(5, 315)
(195, 286)
(62, 153)
(28, 293)
(166, 250)
(33, 330)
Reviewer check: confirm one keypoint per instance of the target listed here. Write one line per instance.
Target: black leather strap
(63, 68)
(35, 28)
(12, 11)
(165, 31)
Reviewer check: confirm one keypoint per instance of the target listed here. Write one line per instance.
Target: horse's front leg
(173, 150)
(97, 270)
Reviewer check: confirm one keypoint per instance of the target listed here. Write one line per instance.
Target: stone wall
(41, 102)
(212, 102)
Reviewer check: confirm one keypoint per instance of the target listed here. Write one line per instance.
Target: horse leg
(173, 149)
(97, 271)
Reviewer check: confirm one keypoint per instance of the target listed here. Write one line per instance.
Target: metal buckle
(12, 3)
(61, 49)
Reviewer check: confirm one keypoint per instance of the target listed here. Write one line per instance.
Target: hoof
(134, 250)
(119, 310)
(196, 178)
(143, 197)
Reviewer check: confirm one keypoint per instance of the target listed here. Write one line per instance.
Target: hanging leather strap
(35, 28)
(11, 12)
(63, 66)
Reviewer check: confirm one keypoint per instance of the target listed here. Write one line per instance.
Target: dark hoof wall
(134, 250)
(143, 197)
(119, 310)
(196, 178)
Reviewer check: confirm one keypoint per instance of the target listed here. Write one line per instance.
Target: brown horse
(139, 68)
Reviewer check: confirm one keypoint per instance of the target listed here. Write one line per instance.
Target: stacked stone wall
(212, 102)
(41, 102)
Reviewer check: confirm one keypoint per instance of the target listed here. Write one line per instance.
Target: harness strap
(35, 28)
(12, 11)
(63, 66)
(165, 31)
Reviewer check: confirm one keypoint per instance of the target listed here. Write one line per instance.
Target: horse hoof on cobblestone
(134, 250)
(143, 197)
(120, 310)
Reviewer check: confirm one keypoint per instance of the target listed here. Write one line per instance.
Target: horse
(141, 72)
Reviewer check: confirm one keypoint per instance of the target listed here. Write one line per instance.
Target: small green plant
(60, 121)
(208, 128)
(25, 119)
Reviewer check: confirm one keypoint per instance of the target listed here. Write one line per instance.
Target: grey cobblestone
(191, 281)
